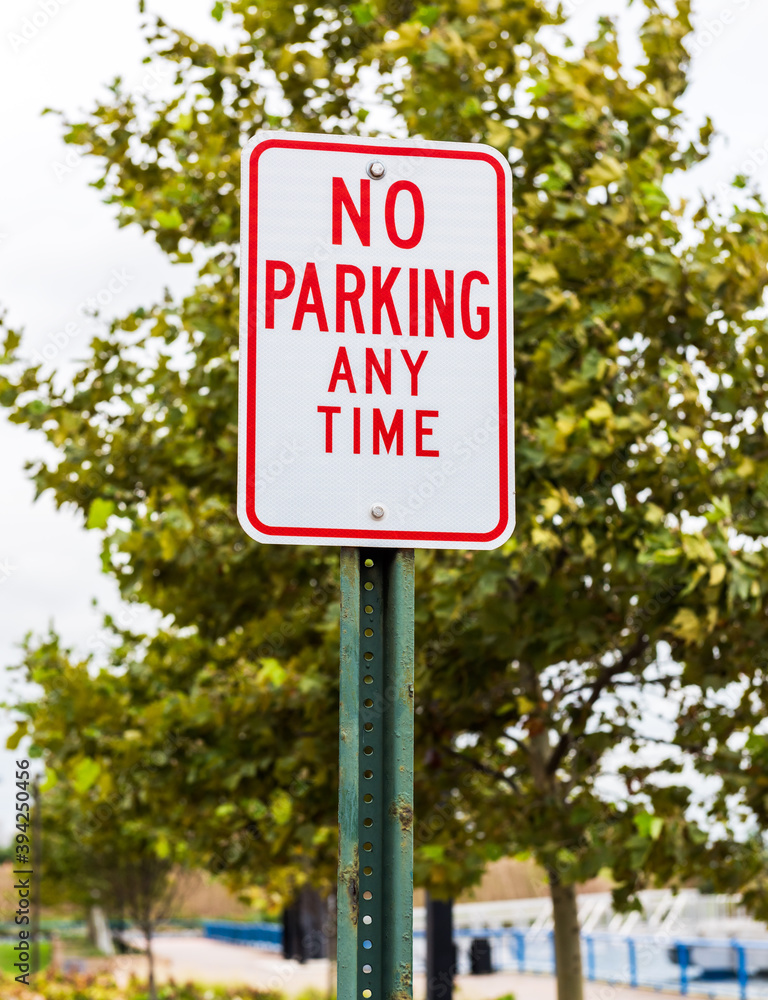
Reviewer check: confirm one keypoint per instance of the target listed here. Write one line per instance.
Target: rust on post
(349, 877)
(403, 984)
(403, 812)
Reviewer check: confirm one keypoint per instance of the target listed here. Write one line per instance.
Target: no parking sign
(376, 351)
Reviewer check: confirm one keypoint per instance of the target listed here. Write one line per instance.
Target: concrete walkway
(204, 961)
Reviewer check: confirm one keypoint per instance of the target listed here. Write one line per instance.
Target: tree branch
(491, 772)
(601, 682)
(629, 683)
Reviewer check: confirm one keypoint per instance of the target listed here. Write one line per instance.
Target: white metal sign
(376, 343)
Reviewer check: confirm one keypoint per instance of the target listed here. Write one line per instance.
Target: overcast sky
(60, 247)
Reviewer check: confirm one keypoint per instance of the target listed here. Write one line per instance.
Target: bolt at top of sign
(376, 169)
(376, 343)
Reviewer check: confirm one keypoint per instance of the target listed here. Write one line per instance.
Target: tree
(637, 564)
(106, 841)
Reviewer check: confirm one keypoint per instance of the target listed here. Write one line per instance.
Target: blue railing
(266, 936)
(700, 966)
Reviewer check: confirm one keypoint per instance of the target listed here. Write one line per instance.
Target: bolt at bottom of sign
(377, 511)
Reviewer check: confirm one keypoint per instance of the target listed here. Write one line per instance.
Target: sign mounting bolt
(376, 169)
(377, 511)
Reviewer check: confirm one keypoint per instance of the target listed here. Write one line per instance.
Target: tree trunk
(570, 985)
(152, 988)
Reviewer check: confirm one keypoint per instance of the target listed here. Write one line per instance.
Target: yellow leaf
(698, 549)
(687, 626)
(691, 628)
(606, 171)
(746, 468)
(619, 213)
(588, 544)
(654, 514)
(550, 506)
(566, 424)
(543, 273)
(17, 736)
(499, 135)
(717, 574)
(544, 539)
(168, 547)
(693, 583)
(600, 412)
(556, 299)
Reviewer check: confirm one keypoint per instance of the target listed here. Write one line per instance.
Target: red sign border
(250, 402)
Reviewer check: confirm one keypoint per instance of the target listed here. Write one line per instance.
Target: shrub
(83, 987)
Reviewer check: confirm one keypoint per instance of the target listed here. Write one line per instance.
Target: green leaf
(363, 13)
(662, 556)
(649, 826)
(654, 198)
(470, 108)
(271, 673)
(218, 11)
(222, 225)
(85, 774)
(577, 121)
(433, 852)
(99, 513)
(436, 55)
(162, 846)
(721, 509)
(427, 15)
(282, 808)
(168, 219)
(51, 780)
(22, 728)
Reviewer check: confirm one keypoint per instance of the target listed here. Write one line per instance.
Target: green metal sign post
(375, 885)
